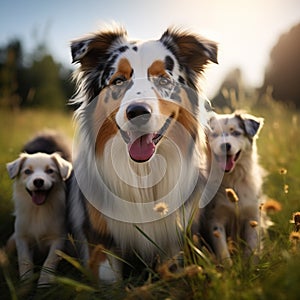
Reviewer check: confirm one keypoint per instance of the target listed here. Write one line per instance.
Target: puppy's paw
(46, 279)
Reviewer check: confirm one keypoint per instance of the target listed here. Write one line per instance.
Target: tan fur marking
(97, 220)
(185, 118)
(96, 258)
(168, 108)
(104, 125)
(157, 69)
(106, 132)
(124, 69)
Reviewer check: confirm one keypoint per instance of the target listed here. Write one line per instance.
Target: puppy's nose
(225, 147)
(38, 182)
(138, 114)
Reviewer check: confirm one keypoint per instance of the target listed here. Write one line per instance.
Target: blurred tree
(42, 82)
(283, 73)
(45, 82)
(229, 91)
(10, 66)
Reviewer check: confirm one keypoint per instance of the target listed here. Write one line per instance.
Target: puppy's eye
(49, 171)
(119, 81)
(28, 172)
(214, 135)
(236, 133)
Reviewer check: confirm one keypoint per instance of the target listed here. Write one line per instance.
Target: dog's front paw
(26, 271)
(45, 279)
(107, 274)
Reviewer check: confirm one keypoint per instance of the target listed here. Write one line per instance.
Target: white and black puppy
(39, 196)
(232, 138)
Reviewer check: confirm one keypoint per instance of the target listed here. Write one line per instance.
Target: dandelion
(231, 195)
(282, 171)
(161, 208)
(295, 237)
(164, 271)
(295, 240)
(286, 188)
(296, 220)
(253, 223)
(192, 270)
(271, 206)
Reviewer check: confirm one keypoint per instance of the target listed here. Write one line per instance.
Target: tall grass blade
(150, 240)
(75, 264)
(117, 257)
(78, 286)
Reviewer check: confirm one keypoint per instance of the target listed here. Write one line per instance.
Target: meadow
(276, 276)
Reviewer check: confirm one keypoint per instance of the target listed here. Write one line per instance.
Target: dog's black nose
(38, 182)
(225, 147)
(138, 114)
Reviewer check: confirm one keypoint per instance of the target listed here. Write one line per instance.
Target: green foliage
(41, 82)
(45, 81)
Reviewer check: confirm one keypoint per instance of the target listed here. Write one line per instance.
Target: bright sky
(245, 30)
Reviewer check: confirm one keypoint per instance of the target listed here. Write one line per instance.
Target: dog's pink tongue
(39, 197)
(227, 164)
(142, 148)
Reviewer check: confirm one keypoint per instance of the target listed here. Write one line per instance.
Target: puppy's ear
(211, 119)
(64, 167)
(14, 167)
(252, 124)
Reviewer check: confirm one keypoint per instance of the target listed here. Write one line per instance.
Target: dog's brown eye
(118, 81)
(28, 172)
(163, 81)
(49, 171)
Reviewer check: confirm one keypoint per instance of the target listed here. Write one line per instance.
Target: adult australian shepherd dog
(141, 141)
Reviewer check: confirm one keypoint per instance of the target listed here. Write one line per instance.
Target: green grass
(276, 276)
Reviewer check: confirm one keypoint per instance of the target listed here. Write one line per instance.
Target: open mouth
(227, 163)
(38, 196)
(141, 145)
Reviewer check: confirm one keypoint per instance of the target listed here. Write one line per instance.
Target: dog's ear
(211, 119)
(14, 167)
(94, 49)
(193, 52)
(252, 124)
(79, 49)
(64, 167)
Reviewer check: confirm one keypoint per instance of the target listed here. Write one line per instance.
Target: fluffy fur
(234, 212)
(140, 140)
(40, 204)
